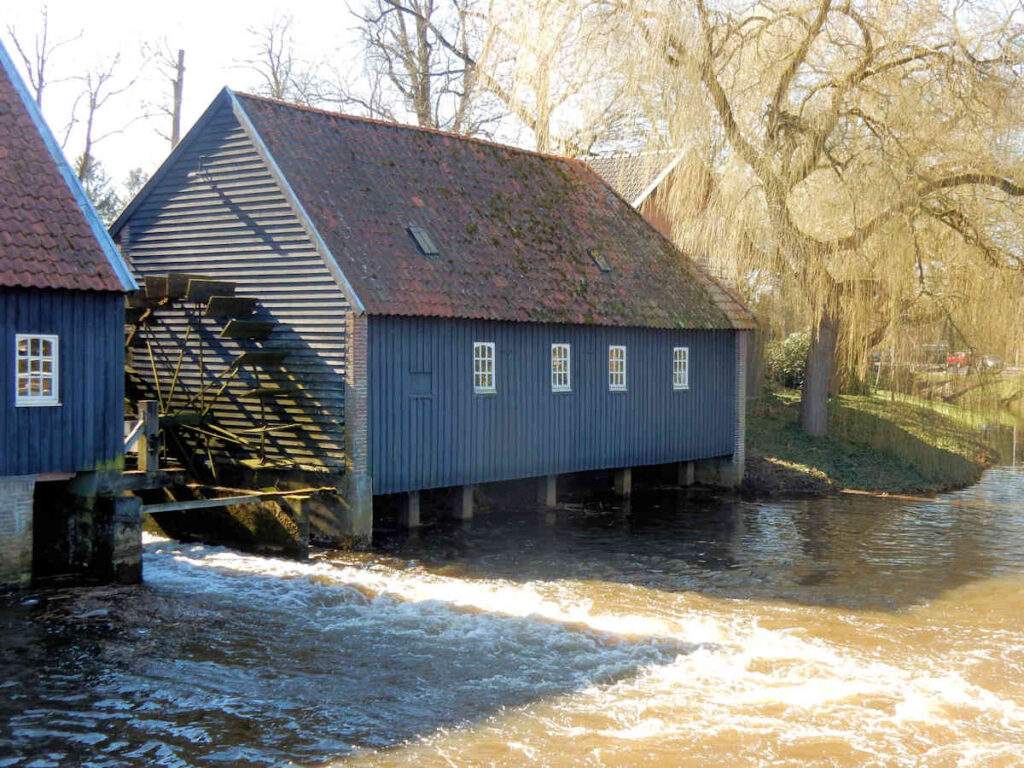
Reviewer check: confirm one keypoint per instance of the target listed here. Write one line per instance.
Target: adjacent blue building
(62, 285)
(454, 311)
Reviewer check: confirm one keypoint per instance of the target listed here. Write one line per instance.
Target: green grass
(876, 443)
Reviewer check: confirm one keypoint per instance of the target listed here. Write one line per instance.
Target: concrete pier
(462, 503)
(547, 491)
(410, 513)
(686, 474)
(721, 472)
(624, 482)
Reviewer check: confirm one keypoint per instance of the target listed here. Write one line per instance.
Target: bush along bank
(875, 444)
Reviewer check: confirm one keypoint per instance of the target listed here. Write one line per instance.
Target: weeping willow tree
(860, 160)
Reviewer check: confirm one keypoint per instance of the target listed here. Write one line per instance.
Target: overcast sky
(213, 34)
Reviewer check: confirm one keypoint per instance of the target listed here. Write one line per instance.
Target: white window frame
(29, 400)
(484, 368)
(561, 380)
(614, 383)
(680, 368)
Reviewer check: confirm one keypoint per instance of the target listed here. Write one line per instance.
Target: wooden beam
(149, 441)
(272, 393)
(136, 480)
(223, 501)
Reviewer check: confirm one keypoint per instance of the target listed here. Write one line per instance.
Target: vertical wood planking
(456, 437)
(85, 430)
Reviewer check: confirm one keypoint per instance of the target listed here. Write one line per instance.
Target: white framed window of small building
(36, 369)
(680, 368)
(561, 368)
(617, 368)
(483, 367)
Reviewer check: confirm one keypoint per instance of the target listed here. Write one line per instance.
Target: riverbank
(876, 444)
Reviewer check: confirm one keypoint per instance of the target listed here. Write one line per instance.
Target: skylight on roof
(423, 240)
(599, 259)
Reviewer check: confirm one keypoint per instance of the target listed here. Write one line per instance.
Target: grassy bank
(876, 443)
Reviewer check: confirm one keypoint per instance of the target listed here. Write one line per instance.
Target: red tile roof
(515, 229)
(631, 175)
(46, 241)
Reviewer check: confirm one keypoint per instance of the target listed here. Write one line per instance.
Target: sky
(213, 33)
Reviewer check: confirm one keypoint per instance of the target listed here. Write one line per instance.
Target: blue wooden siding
(87, 428)
(428, 429)
(217, 211)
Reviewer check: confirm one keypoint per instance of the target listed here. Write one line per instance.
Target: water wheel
(189, 339)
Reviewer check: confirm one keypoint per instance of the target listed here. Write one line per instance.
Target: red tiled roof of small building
(45, 239)
(516, 231)
(633, 174)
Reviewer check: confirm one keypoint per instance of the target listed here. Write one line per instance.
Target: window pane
(36, 370)
(483, 366)
(616, 367)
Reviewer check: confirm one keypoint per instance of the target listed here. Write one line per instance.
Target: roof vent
(599, 259)
(423, 240)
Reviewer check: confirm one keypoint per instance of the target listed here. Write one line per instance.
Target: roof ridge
(643, 153)
(408, 127)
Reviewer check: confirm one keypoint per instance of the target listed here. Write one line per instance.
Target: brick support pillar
(354, 524)
(16, 530)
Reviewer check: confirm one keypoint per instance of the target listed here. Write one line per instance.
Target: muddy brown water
(682, 629)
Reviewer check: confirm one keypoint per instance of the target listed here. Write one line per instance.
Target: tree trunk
(821, 363)
(178, 85)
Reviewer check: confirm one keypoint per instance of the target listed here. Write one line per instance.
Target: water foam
(721, 672)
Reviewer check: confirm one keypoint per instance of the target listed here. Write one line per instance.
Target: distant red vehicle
(957, 358)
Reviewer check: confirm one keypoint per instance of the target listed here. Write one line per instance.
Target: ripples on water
(681, 630)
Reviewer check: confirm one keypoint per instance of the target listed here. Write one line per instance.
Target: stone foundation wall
(16, 530)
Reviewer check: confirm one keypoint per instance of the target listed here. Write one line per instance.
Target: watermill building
(427, 310)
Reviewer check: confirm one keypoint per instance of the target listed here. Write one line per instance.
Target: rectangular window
(561, 368)
(616, 368)
(483, 366)
(680, 368)
(36, 373)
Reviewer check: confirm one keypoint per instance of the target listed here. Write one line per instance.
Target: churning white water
(829, 632)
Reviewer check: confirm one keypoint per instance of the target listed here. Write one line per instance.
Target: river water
(682, 629)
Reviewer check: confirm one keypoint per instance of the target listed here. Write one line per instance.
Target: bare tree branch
(37, 60)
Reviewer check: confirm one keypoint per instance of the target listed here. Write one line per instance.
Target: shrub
(785, 361)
